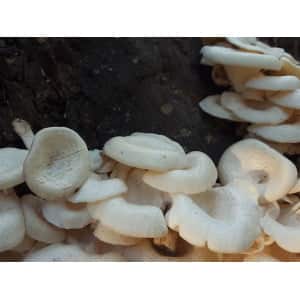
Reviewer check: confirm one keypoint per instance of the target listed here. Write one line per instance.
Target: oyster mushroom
(11, 167)
(272, 173)
(211, 105)
(57, 163)
(37, 227)
(225, 218)
(146, 151)
(12, 227)
(287, 99)
(274, 83)
(140, 221)
(97, 189)
(283, 225)
(254, 111)
(199, 176)
(228, 56)
(66, 215)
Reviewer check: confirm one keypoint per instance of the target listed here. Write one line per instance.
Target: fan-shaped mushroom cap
(146, 151)
(225, 218)
(66, 215)
(63, 252)
(238, 76)
(287, 99)
(282, 133)
(12, 227)
(36, 226)
(97, 189)
(199, 176)
(141, 221)
(109, 236)
(273, 174)
(254, 111)
(228, 56)
(95, 159)
(274, 83)
(211, 105)
(24, 131)
(11, 167)
(57, 164)
(283, 225)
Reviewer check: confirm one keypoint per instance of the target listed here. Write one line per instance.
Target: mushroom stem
(24, 131)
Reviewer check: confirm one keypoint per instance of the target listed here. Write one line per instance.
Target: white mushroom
(274, 83)
(11, 167)
(199, 176)
(70, 253)
(146, 151)
(211, 105)
(225, 218)
(254, 111)
(282, 133)
(24, 131)
(66, 215)
(273, 174)
(97, 189)
(109, 236)
(287, 99)
(12, 227)
(283, 225)
(141, 221)
(57, 163)
(227, 56)
(36, 226)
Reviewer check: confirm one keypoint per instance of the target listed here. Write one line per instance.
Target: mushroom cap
(66, 215)
(109, 236)
(254, 111)
(289, 99)
(199, 176)
(57, 163)
(289, 66)
(274, 83)
(12, 227)
(141, 221)
(228, 56)
(211, 105)
(146, 151)
(11, 167)
(283, 225)
(36, 226)
(273, 174)
(282, 133)
(63, 252)
(97, 189)
(225, 218)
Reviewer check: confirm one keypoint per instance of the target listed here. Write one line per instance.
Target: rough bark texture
(102, 87)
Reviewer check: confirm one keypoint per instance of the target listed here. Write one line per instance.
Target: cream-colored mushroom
(146, 151)
(97, 189)
(225, 218)
(282, 133)
(36, 226)
(66, 215)
(140, 221)
(254, 111)
(228, 56)
(109, 236)
(212, 106)
(199, 176)
(71, 253)
(287, 99)
(12, 227)
(283, 225)
(11, 167)
(274, 83)
(272, 173)
(57, 163)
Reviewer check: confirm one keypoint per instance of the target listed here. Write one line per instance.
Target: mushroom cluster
(143, 198)
(262, 88)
